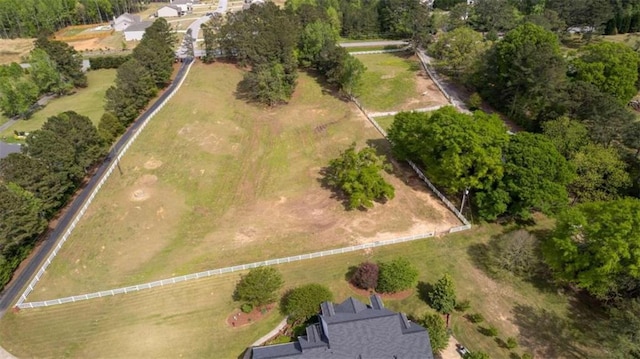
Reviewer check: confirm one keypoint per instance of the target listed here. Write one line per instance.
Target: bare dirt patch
(152, 164)
(240, 319)
(12, 50)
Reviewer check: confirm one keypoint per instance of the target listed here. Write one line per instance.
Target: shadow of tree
(424, 289)
(336, 193)
(350, 272)
(552, 335)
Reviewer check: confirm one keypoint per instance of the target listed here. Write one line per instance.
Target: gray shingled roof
(127, 16)
(139, 26)
(354, 330)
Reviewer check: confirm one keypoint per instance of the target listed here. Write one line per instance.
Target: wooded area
(32, 18)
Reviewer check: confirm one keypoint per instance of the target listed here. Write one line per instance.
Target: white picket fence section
(214, 272)
(83, 209)
(370, 52)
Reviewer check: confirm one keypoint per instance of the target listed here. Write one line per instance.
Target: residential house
(123, 21)
(169, 11)
(135, 31)
(186, 6)
(354, 330)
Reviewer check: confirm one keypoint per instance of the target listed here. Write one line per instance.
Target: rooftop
(139, 26)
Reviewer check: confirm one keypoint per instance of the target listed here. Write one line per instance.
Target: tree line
(274, 42)
(37, 183)
(54, 68)
(31, 18)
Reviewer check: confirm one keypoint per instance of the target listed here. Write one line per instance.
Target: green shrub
(511, 343)
(527, 356)
(475, 101)
(246, 307)
(396, 276)
(475, 318)
(490, 331)
(463, 306)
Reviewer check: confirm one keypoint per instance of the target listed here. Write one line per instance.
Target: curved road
(14, 289)
(183, 52)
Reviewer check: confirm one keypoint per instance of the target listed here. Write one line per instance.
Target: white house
(186, 6)
(169, 11)
(123, 21)
(135, 31)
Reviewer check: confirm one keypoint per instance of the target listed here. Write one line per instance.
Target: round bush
(304, 302)
(366, 276)
(396, 276)
(246, 307)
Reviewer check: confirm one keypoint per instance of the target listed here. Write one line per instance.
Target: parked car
(462, 350)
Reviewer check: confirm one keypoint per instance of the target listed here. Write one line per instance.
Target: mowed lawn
(214, 181)
(189, 319)
(88, 101)
(395, 82)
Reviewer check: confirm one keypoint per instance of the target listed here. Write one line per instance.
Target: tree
(44, 73)
(459, 151)
(524, 74)
(596, 246)
(109, 127)
(20, 224)
(458, 51)
(18, 95)
(493, 15)
(211, 30)
(303, 302)
(611, 67)
(603, 114)
(259, 287)
(155, 51)
(535, 178)
(55, 152)
(623, 329)
(401, 18)
(396, 275)
(601, 174)
(567, 135)
(631, 137)
(68, 61)
(587, 14)
(437, 328)
(315, 37)
(357, 175)
(267, 84)
(443, 296)
(517, 252)
(51, 188)
(80, 132)
(134, 87)
(366, 276)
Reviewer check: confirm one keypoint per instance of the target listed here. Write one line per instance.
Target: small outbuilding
(123, 21)
(169, 11)
(135, 31)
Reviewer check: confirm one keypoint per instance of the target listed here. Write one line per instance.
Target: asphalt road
(14, 289)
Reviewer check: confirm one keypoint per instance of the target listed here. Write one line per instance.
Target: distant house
(8, 148)
(123, 21)
(185, 6)
(354, 330)
(169, 11)
(136, 31)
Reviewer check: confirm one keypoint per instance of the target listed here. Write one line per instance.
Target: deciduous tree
(568, 136)
(259, 287)
(458, 51)
(303, 302)
(357, 175)
(601, 174)
(396, 275)
(366, 276)
(437, 328)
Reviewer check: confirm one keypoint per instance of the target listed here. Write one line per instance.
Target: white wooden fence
(83, 209)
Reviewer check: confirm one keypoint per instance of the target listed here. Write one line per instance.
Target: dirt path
(450, 351)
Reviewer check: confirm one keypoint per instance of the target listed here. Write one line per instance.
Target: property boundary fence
(383, 51)
(83, 209)
(214, 272)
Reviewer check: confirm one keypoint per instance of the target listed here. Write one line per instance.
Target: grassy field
(189, 319)
(395, 81)
(214, 181)
(88, 101)
(12, 50)
(385, 121)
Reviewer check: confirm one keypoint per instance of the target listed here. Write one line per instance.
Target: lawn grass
(214, 181)
(87, 101)
(632, 39)
(188, 319)
(395, 81)
(385, 121)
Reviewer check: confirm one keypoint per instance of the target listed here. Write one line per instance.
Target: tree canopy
(303, 302)
(596, 246)
(396, 275)
(437, 328)
(260, 286)
(357, 175)
(443, 296)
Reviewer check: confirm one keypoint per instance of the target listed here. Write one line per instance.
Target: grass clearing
(188, 319)
(13, 50)
(214, 182)
(88, 101)
(395, 81)
(385, 121)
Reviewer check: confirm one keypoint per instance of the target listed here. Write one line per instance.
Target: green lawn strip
(149, 323)
(385, 121)
(87, 101)
(224, 166)
(388, 82)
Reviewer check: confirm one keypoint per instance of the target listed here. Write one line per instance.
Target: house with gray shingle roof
(354, 330)
(123, 21)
